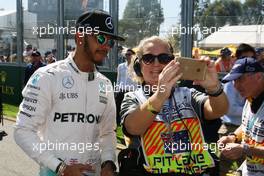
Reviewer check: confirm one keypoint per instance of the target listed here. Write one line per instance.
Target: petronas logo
(3, 75)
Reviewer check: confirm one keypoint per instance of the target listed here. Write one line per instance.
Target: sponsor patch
(68, 95)
(26, 114)
(67, 82)
(31, 100)
(28, 107)
(35, 79)
(102, 88)
(103, 99)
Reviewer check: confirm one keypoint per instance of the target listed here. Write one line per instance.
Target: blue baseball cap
(242, 66)
(259, 50)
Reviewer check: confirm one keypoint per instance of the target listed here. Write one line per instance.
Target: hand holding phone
(192, 69)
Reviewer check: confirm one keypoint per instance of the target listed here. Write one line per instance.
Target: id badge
(176, 142)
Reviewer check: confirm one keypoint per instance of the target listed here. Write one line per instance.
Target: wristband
(61, 168)
(151, 109)
(58, 167)
(217, 92)
(246, 149)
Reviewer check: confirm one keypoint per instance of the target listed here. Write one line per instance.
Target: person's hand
(77, 169)
(107, 170)
(232, 151)
(168, 79)
(211, 81)
(226, 139)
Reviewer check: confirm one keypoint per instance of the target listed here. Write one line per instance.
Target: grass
(120, 135)
(10, 110)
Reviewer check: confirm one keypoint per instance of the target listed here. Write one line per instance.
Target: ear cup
(137, 68)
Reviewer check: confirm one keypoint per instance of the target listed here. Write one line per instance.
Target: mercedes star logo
(67, 82)
(108, 23)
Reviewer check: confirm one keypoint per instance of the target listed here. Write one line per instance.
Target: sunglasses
(102, 40)
(162, 58)
(128, 54)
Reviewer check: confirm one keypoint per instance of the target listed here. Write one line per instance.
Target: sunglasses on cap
(102, 40)
(162, 58)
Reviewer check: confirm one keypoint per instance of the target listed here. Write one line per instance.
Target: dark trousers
(118, 99)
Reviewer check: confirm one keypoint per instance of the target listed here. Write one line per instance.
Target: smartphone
(192, 69)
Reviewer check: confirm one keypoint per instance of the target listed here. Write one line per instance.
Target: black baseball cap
(100, 19)
(35, 53)
(225, 52)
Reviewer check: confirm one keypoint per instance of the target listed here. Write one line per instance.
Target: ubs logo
(63, 96)
(67, 82)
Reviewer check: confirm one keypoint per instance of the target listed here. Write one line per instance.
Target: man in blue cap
(248, 139)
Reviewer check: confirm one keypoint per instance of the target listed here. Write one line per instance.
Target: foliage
(140, 19)
(219, 13)
(10, 110)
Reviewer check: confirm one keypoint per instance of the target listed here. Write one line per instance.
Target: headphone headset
(136, 65)
(137, 68)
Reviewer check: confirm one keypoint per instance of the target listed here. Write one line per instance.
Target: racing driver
(66, 120)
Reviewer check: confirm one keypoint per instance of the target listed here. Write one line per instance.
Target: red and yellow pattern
(161, 162)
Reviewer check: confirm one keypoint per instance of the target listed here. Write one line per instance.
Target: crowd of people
(68, 102)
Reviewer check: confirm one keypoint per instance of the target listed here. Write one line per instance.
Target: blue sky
(171, 7)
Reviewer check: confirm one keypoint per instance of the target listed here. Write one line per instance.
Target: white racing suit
(69, 115)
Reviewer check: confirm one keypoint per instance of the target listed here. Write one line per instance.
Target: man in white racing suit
(66, 120)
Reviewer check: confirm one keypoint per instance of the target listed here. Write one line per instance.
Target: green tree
(219, 13)
(174, 38)
(252, 12)
(140, 19)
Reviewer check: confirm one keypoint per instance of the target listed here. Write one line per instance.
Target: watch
(217, 92)
(246, 149)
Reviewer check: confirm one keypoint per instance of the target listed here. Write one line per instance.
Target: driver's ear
(79, 38)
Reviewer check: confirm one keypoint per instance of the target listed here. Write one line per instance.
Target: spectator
(230, 122)
(245, 50)
(121, 58)
(33, 66)
(54, 52)
(224, 62)
(260, 54)
(49, 58)
(2, 59)
(158, 116)
(2, 133)
(248, 77)
(124, 81)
